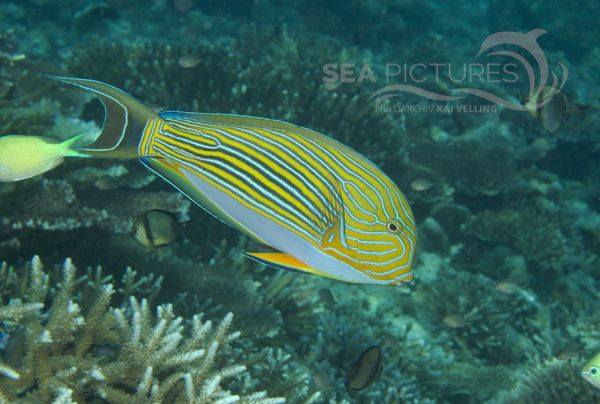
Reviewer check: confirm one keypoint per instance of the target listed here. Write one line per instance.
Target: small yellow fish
(591, 371)
(155, 228)
(23, 157)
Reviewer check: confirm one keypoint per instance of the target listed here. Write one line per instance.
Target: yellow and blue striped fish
(322, 206)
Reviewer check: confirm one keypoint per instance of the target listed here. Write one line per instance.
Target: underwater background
(503, 306)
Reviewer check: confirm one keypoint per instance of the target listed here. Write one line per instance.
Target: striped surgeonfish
(322, 207)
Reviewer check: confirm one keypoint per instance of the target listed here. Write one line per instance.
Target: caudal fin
(124, 120)
(70, 146)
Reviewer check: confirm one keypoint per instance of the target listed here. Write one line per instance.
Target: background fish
(155, 228)
(591, 371)
(421, 184)
(366, 368)
(550, 107)
(24, 156)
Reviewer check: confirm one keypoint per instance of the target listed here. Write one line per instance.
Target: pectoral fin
(282, 261)
(334, 235)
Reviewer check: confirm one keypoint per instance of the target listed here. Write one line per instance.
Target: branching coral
(551, 382)
(538, 236)
(499, 322)
(124, 354)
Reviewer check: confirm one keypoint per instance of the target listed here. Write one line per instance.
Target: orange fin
(281, 261)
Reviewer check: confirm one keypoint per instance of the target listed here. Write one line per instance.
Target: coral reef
(56, 206)
(123, 354)
(508, 202)
(529, 232)
(551, 382)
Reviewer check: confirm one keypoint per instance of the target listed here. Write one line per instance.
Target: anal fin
(282, 261)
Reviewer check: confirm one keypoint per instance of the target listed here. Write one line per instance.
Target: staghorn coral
(268, 302)
(124, 354)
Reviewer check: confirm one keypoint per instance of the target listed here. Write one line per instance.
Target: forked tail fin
(124, 120)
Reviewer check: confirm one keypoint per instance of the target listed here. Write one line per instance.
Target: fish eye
(393, 227)
(594, 371)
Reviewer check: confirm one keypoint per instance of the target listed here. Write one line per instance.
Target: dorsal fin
(124, 120)
(250, 121)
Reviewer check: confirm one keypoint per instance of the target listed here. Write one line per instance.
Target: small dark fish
(155, 228)
(366, 369)
(568, 353)
(554, 112)
(93, 14)
(327, 298)
(106, 183)
(421, 184)
(189, 61)
(303, 349)
(550, 105)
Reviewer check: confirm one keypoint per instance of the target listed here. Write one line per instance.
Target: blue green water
(485, 115)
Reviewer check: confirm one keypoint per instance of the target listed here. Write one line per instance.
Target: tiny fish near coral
(366, 369)
(325, 208)
(155, 228)
(327, 298)
(571, 352)
(510, 287)
(106, 183)
(455, 321)
(421, 184)
(188, 61)
(550, 106)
